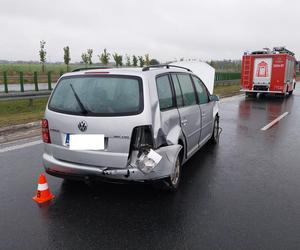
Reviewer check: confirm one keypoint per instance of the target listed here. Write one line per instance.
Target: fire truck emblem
(262, 69)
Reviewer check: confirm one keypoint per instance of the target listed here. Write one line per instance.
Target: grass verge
(21, 111)
(227, 90)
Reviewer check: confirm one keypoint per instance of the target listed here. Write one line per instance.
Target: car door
(169, 114)
(206, 107)
(189, 112)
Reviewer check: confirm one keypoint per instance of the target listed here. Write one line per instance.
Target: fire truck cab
(269, 71)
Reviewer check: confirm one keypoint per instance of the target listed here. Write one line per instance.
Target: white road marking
(274, 121)
(25, 145)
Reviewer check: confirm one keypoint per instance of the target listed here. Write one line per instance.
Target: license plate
(85, 142)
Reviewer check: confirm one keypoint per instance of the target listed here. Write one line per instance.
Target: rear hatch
(262, 71)
(109, 105)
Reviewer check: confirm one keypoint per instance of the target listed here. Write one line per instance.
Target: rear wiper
(83, 109)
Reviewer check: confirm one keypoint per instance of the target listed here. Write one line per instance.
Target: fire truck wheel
(251, 94)
(291, 92)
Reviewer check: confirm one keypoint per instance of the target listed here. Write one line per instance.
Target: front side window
(98, 95)
(201, 90)
(164, 92)
(187, 88)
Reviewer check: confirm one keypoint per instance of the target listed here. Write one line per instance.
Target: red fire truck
(269, 71)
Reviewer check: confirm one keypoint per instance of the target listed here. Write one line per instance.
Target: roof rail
(81, 69)
(164, 65)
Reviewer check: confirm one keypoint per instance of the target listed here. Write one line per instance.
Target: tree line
(119, 60)
(130, 61)
(104, 58)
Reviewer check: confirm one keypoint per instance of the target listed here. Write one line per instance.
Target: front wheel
(215, 136)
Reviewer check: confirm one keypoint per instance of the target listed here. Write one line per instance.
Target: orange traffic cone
(43, 193)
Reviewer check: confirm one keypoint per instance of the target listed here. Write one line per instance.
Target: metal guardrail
(24, 95)
(46, 93)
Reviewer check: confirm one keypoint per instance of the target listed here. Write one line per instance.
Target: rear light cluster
(45, 131)
(142, 138)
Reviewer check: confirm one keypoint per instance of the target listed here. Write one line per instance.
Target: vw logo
(82, 126)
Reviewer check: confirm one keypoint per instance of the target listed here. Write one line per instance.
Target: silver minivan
(135, 124)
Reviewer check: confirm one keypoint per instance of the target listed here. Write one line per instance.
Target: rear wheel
(174, 179)
(172, 182)
(251, 94)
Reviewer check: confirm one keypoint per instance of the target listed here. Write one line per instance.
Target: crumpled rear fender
(163, 169)
(167, 164)
(174, 135)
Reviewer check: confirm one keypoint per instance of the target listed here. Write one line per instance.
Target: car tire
(172, 182)
(215, 135)
(251, 94)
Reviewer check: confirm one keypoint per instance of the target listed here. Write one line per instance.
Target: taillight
(45, 131)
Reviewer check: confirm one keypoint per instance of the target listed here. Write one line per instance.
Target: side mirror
(214, 98)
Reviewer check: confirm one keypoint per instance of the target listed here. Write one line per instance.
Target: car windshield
(98, 95)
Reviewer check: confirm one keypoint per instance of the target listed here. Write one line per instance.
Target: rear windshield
(98, 96)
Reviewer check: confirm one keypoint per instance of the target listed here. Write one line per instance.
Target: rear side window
(179, 98)
(164, 92)
(99, 95)
(187, 88)
(201, 90)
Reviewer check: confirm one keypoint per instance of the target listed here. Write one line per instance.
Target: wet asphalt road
(241, 194)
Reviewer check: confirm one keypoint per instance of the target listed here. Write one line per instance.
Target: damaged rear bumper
(163, 169)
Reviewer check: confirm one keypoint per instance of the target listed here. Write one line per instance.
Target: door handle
(184, 122)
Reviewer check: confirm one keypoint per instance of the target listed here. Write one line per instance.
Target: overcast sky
(166, 29)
